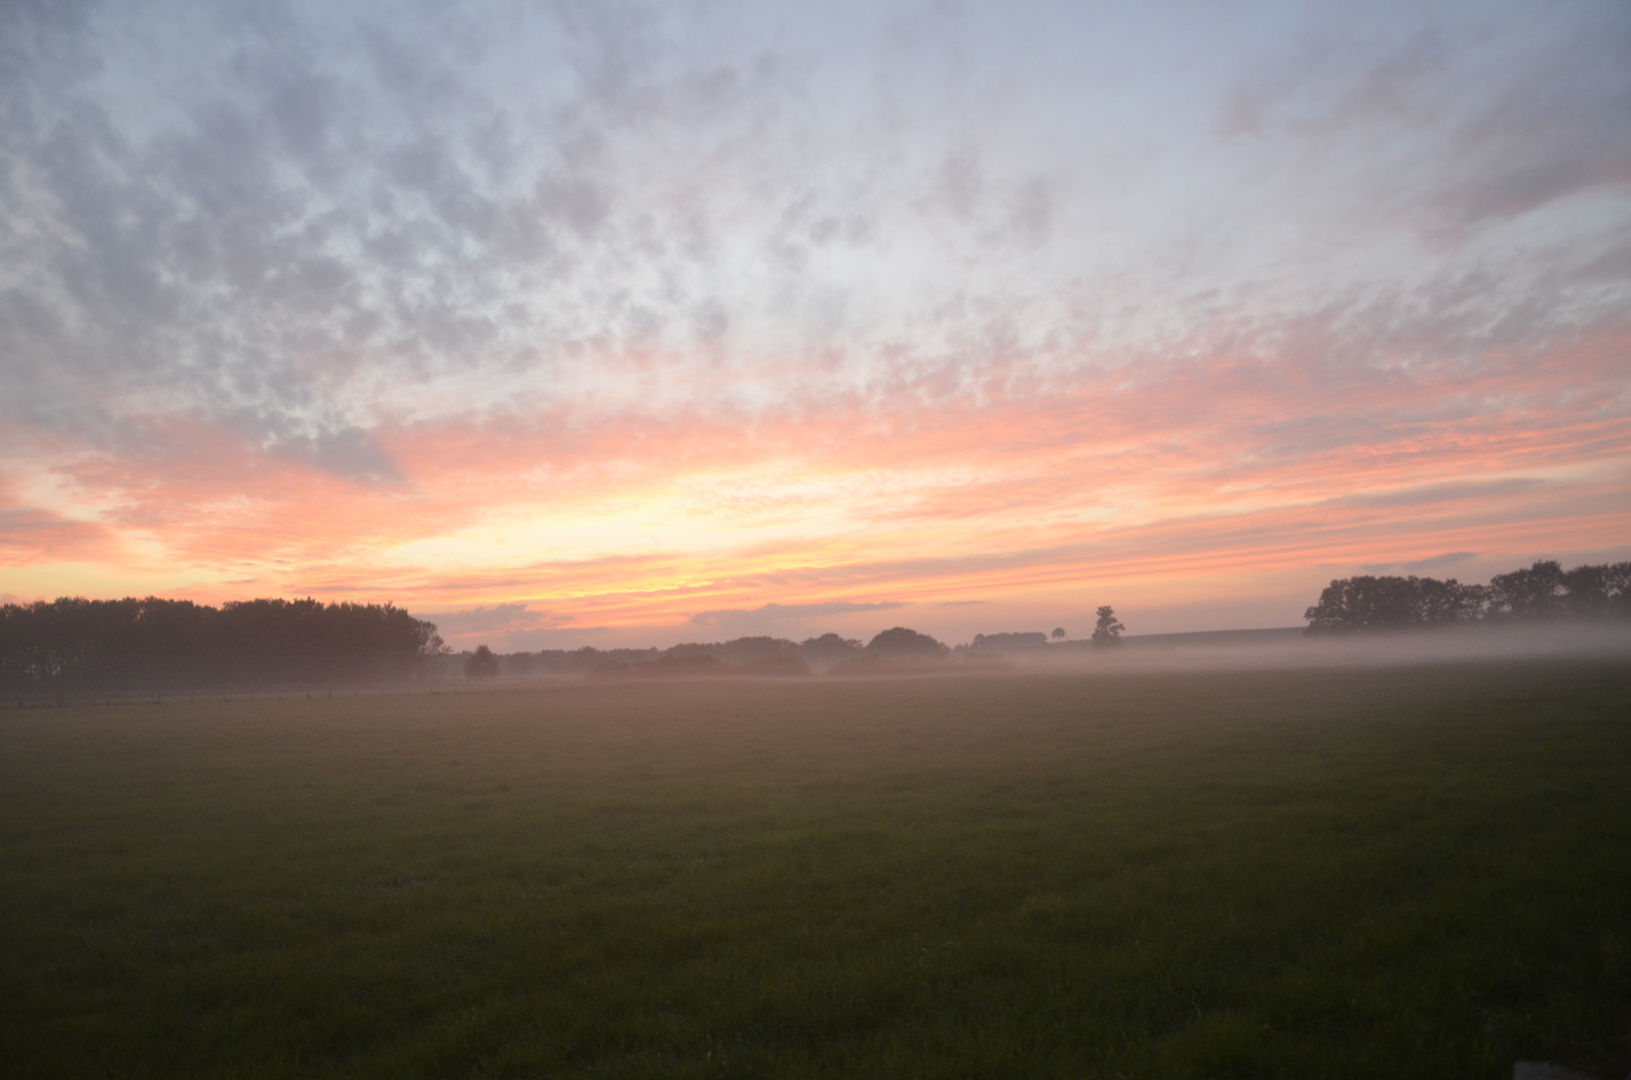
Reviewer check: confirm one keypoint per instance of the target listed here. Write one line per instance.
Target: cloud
(511, 627)
(559, 637)
(331, 245)
(1451, 492)
(651, 314)
(772, 618)
(1439, 562)
(496, 618)
(1432, 563)
(29, 536)
(349, 452)
(1468, 117)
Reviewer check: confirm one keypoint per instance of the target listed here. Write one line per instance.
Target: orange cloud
(1231, 462)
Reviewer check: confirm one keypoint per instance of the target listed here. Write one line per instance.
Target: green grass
(1413, 872)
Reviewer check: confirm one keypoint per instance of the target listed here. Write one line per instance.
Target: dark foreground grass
(1418, 872)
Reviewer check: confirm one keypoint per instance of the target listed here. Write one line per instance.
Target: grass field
(1406, 872)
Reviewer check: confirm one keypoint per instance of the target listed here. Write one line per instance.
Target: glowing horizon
(613, 325)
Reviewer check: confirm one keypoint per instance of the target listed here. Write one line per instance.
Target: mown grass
(1411, 872)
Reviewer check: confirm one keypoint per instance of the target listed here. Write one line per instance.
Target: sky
(619, 324)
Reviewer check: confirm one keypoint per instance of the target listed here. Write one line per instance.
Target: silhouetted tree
(1539, 592)
(1059, 633)
(1391, 603)
(1446, 603)
(737, 650)
(1617, 590)
(899, 641)
(1107, 631)
(521, 663)
(481, 664)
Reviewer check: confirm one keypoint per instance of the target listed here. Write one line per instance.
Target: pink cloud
(1228, 454)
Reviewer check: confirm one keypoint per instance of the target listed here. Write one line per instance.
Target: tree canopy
(1543, 591)
(899, 641)
(74, 644)
(1107, 631)
(481, 664)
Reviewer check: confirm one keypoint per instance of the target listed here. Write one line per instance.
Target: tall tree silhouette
(1107, 631)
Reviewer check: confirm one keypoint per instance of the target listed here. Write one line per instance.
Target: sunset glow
(613, 325)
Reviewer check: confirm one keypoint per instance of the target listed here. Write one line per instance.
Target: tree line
(762, 654)
(757, 656)
(77, 645)
(1542, 592)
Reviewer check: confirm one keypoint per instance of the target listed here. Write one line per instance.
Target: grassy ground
(1414, 872)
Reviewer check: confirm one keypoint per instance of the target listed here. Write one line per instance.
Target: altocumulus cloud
(490, 619)
(306, 221)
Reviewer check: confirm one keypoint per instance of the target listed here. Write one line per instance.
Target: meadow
(1409, 871)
